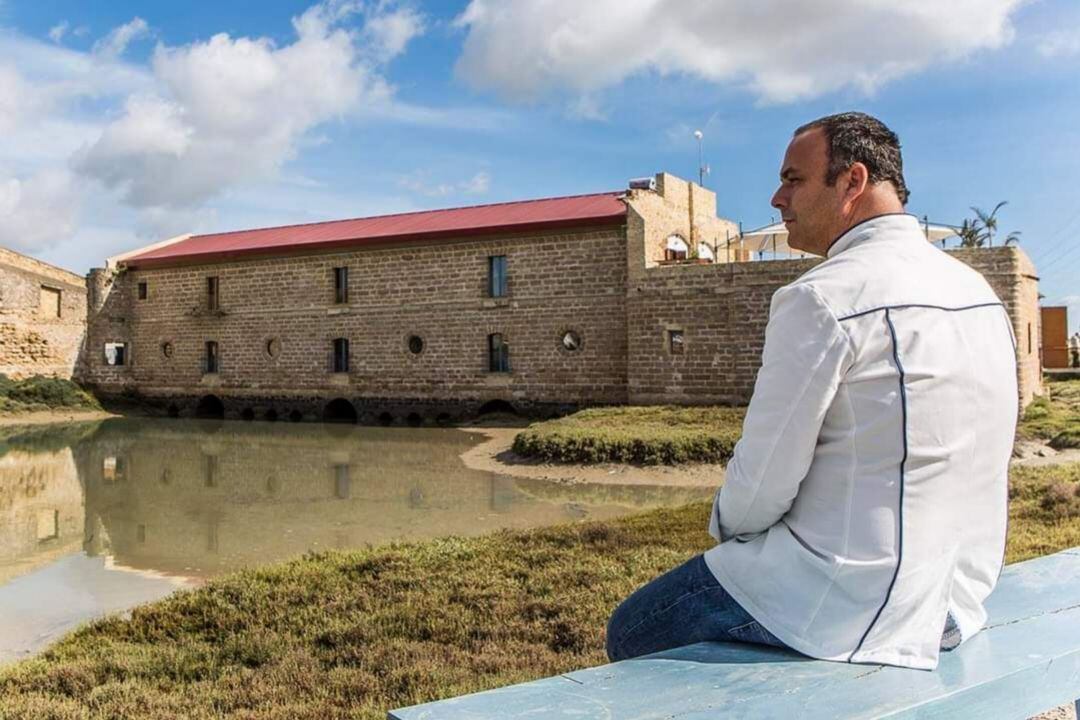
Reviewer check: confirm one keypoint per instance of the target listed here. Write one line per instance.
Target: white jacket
(868, 494)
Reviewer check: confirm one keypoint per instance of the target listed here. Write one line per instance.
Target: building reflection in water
(192, 499)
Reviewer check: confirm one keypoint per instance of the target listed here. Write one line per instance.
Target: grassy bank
(649, 435)
(351, 634)
(635, 434)
(1055, 418)
(42, 393)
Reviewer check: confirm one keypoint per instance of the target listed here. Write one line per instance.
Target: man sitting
(863, 514)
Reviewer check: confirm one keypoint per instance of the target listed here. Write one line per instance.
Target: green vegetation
(351, 634)
(639, 435)
(1054, 418)
(42, 393)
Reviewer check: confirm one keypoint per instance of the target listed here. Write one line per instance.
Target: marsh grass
(1054, 418)
(352, 634)
(641, 435)
(42, 393)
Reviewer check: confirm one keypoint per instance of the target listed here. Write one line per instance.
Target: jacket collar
(857, 234)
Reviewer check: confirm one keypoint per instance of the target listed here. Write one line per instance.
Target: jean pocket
(754, 632)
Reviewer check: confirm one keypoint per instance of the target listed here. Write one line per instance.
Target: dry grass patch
(1054, 418)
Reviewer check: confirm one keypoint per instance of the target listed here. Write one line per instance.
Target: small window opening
(213, 288)
(498, 353)
(341, 355)
(571, 341)
(140, 534)
(676, 342)
(497, 276)
(112, 469)
(676, 248)
(51, 302)
(142, 290)
(1029, 337)
(416, 344)
(341, 285)
(48, 525)
(213, 359)
(273, 347)
(210, 470)
(116, 354)
(341, 481)
(167, 349)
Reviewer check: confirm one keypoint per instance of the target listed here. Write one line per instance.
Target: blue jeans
(683, 606)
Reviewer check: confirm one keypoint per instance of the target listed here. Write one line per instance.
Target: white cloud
(420, 183)
(37, 211)
(57, 32)
(1060, 43)
(116, 42)
(388, 33)
(779, 49)
(232, 110)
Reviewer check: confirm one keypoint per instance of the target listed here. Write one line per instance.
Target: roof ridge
(411, 212)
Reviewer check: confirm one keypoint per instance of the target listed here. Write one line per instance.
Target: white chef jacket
(868, 494)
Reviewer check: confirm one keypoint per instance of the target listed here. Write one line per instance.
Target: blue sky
(122, 123)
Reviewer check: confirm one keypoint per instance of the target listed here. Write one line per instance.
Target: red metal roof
(526, 215)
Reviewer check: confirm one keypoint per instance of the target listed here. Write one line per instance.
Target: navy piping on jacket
(920, 305)
(903, 461)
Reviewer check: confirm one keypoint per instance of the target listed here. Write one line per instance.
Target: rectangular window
(142, 290)
(210, 470)
(48, 525)
(676, 344)
(341, 285)
(1029, 338)
(212, 360)
(498, 354)
(341, 482)
(50, 302)
(213, 301)
(497, 276)
(116, 354)
(341, 355)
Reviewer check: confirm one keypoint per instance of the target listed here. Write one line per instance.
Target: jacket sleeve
(805, 358)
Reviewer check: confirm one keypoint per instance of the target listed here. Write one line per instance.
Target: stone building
(42, 317)
(637, 296)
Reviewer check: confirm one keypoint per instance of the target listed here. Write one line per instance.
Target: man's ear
(857, 177)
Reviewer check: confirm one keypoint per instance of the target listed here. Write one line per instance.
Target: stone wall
(42, 317)
(573, 280)
(722, 311)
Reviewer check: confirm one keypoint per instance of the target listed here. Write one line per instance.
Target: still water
(98, 517)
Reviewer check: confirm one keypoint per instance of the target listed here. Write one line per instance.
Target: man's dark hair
(853, 137)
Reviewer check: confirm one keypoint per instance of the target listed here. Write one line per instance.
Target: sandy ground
(46, 417)
(495, 455)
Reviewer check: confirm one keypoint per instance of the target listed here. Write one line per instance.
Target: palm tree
(970, 234)
(989, 221)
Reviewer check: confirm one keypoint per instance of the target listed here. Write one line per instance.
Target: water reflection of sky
(99, 517)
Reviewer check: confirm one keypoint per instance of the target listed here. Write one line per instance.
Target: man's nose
(778, 200)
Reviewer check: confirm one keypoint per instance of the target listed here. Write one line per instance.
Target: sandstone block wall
(42, 317)
(722, 311)
(278, 319)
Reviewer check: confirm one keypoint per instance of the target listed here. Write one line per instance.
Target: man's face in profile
(810, 208)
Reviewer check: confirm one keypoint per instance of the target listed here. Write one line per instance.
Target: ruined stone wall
(572, 280)
(1013, 277)
(42, 317)
(722, 310)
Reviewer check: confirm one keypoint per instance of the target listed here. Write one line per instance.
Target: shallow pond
(98, 517)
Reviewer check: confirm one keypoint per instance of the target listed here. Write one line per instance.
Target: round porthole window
(571, 341)
(416, 344)
(167, 349)
(273, 347)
